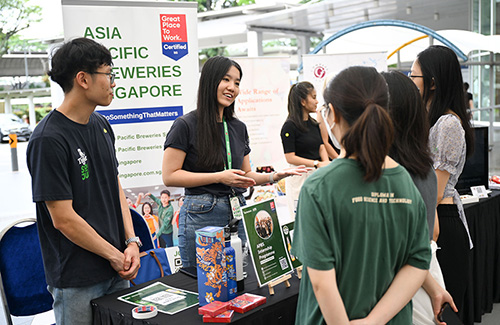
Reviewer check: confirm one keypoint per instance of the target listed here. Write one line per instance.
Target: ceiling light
(436, 16)
(408, 10)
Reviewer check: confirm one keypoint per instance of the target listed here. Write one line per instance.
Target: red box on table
(225, 317)
(246, 302)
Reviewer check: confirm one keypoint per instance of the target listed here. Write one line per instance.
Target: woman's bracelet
(271, 177)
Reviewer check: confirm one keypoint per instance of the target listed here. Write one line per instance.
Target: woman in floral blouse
(437, 74)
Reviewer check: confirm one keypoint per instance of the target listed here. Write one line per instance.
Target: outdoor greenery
(22, 111)
(15, 16)
(17, 44)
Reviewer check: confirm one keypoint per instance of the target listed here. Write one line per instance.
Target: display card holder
(479, 191)
(299, 272)
(277, 281)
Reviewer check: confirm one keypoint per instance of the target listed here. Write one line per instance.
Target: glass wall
(484, 73)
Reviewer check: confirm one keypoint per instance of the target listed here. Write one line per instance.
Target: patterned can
(211, 264)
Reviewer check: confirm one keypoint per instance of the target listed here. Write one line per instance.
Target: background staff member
(300, 134)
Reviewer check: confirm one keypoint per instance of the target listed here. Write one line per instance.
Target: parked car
(10, 123)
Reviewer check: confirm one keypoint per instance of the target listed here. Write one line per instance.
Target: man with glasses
(86, 234)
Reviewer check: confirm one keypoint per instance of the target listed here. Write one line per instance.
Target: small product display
(225, 317)
(230, 265)
(211, 263)
(238, 255)
(214, 308)
(246, 302)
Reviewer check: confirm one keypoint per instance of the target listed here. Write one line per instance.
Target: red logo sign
(319, 72)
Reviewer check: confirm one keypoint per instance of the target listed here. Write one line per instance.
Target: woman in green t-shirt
(361, 230)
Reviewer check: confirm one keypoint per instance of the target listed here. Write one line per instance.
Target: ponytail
(369, 140)
(359, 95)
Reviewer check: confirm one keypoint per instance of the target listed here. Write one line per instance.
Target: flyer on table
(154, 49)
(269, 255)
(166, 299)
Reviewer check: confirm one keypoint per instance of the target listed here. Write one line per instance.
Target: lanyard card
(235, 207)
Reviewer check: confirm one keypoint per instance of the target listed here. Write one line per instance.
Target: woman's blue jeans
(200, 211)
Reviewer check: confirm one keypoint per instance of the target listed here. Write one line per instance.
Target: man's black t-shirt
(304, 144)
(72, 161)
(183, 135)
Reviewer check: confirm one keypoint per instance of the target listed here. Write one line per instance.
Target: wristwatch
(136, 240)
(316, 164)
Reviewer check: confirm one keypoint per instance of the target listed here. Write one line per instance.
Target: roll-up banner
(262, 105)
(320, 67)
(154, 47)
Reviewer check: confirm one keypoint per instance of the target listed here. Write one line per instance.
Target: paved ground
(15, 187)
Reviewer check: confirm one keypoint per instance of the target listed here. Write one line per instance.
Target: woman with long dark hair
(207, 152)
(410, 149)
(360, 230)
(300, 134)
(301, 138)
(436, 73)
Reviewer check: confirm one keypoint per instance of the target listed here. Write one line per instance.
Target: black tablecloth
(279, 308)
(483, 219)
(484, 279)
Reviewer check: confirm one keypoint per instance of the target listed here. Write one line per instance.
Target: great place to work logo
(174, 36)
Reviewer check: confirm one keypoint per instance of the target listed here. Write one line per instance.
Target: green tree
(15, 16)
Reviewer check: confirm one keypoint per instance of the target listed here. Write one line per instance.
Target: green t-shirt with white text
(366, 231)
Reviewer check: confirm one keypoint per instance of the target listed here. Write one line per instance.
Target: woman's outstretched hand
(235, 178)
(299, 170)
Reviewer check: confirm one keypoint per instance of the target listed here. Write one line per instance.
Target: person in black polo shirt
(300, 135)
(207, 152)
(301, 138)
(86, 234)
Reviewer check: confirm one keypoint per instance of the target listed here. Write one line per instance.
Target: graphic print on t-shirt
(83, 162)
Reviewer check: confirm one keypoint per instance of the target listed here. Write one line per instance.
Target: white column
(254, 41)
(32, 111)
(8, 105)
(304, 45)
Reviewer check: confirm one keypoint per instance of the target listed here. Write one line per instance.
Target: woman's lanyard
(233, 198)
(228, 146)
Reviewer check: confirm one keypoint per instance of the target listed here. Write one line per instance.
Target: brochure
(166, 299)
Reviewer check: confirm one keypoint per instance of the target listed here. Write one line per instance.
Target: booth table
(483, 290)
(483, 219)
(278, 309)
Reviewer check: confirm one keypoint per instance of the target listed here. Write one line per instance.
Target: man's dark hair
(79, 54)
(165, 192)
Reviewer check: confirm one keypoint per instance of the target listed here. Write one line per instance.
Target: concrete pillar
(8, 105)
(304, 44)
(254, 41)
(32, 113)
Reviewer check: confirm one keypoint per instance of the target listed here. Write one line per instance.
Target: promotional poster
(155, 56)
(269, 255)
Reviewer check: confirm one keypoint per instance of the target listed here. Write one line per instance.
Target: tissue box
(211, 265)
